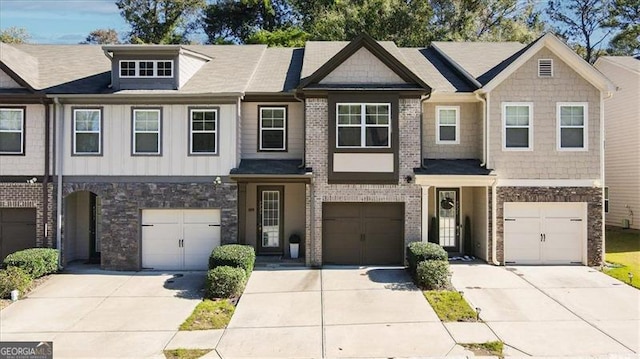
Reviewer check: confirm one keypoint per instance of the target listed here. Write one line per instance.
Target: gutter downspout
(485, 135)
(603, 97)
(59, 121)
(494, 226)
(422, 100)
(45, 182)
(304, 130)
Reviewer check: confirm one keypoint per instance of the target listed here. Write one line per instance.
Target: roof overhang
(264, 178)
(153, 49)
(560, 49)
(367, 42)
(455, 180)
(168, 98)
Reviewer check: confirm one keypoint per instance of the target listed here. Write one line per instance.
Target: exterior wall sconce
(217, 181)
(408, 178)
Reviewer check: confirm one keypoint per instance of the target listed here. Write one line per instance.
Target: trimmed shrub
(36, 262)
(233, 255)
(14, 278)
(224, 282)
(433, 274)
(421, 251)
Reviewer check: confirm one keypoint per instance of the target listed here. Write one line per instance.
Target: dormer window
(146, 68)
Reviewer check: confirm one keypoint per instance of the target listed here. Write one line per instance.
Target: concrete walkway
(103, 314)
(335, 313)
(554, 310)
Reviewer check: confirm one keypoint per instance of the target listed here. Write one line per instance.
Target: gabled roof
(22, 67)
(388, 55)
(278, 71)
(629, 63)
(558, 48)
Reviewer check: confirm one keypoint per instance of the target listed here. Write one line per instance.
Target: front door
(448, 205)
(270, 215)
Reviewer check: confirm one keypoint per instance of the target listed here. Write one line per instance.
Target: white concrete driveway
(333, 313)
(554, 310)
(104, 314)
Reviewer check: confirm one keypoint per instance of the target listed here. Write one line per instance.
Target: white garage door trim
(179, 239)
(545, 232)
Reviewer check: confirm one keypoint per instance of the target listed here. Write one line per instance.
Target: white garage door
(544, 233)
(179, 239)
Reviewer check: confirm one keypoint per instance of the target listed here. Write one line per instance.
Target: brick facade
(30, 195)
(592, 196)
(317, 158)
(122, 205)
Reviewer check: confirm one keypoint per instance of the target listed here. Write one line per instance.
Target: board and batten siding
(470, 141)
(622, 141)
(117, 158)
(295, 131)
(544, 161)
(32, 162)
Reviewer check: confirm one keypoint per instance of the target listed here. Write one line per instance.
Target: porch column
(425, 213)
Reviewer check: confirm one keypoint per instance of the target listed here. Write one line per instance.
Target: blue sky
(61, 22)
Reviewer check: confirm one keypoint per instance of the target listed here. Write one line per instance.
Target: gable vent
(545, 68)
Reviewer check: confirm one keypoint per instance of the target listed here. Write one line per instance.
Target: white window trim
(99, 132)
(159, 132)
(284, 129)
(585, 127)
(22, 149)
(504, 126)
(363, 125)
(552, 69)
(191, 131)
(457, 125)
(137, 69)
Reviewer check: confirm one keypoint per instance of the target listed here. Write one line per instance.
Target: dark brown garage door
(363, 233)
(17, 230)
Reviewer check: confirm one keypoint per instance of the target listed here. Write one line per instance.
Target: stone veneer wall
(121, 212)
(317, 117)
(593, 197)
(29, 195)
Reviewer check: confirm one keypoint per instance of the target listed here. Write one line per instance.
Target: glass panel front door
(448, 217)
(270, 224)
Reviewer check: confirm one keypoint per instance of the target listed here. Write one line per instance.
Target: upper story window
(203, 129)
(517, 122)
(273, 129)
(12, 131)
(363, 125)
(87, 131)
(447, 124)
(572, 126)
(146, 68)
(147, 126)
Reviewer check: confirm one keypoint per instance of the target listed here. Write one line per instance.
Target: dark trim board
(364, 177)
(143, 179)
(73, 131)
(286, 128)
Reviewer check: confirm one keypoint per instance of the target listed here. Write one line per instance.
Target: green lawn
(185, 353)
(623, 251)
(450, 306)
(209, 314)
(486, 349)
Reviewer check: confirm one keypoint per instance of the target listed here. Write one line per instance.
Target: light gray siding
(6, 82)
(362, 67)
(295, 131)
(470, 141)
(174, 160)
(32, 163)
(544, 161)
(622, 152)
(188, 66)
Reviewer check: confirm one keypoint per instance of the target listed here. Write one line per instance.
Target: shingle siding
(470, 145)
(545, 161)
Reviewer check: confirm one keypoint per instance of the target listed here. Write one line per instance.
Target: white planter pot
(293, 249)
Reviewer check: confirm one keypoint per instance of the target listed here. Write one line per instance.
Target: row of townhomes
(148, 156)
